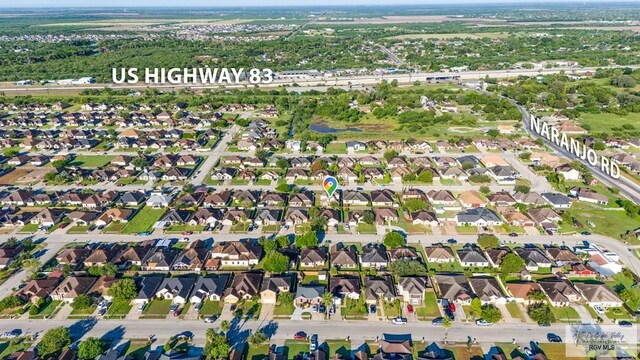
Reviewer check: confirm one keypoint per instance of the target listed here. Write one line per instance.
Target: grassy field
(211, 308)
(143, 220)
(341, 347)
(91, 161)
(119, 309)
(83, 312)
(609, 223)
(283, 308)
(430, 309)
(158, 307)
(565, 314)
(514, 310)
(295, 347)
(9, 347)
(257, 352)
(605, 121)
(136, 348)
(620, 280)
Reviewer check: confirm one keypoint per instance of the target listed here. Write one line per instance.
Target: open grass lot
(257, 352)
(184, 227)
(114, 227)
(136, 348)
(554, 351)
(29, 228)
(211, 308)
(605, 122)
(430, 308)
(565, 314)
(621, 281)
(453, 266)
(143, 220)
(91, 161)
(295, 347)
(119, 309)
(283, 308)
(341, 347)
(491, 35)
(78, 230)
(618, 313)
(366, 228)
(461, 352)
(249, 309)
(83, 312)
(609, 223)
(157, 308)
(336, 148)
(392, 309)
(514, 310)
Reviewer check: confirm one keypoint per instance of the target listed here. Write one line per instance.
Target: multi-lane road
(402, 78)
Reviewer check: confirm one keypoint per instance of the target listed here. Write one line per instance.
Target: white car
(599, 309)
(483, 322)
(210, 319)
(141, 307)
(399, 321)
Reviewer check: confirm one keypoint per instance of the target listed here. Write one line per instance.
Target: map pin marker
(330, 185)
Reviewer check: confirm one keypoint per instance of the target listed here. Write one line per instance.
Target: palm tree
(224, 326)
(446, 323)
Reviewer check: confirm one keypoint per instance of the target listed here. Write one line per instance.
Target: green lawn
(565, 314)
(119, 309)
(605, 121)
(137, 348)
(514, 310)
(364, 228)
(114, 227)
(46, 310)
(9, 347)
(607, 222)
(83, 312)
(295, 347)
(249, 309)
(91, 161)
(284, 308)
(353, 308)
(257, 352)
(618, 313)
(211, 308)
(157, 307)
(184, 227)
(453, 266)
(341, 347)
(143, 220)
(392, 309)
(271, 228)
(466, 230)
(336, 148)
(29, 228)
(239, 227)
(78, 230)
(430, 308)
(621, 281)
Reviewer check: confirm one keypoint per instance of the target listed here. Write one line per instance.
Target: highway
(406, 78)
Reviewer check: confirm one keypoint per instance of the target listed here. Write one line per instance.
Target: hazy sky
(133, 3)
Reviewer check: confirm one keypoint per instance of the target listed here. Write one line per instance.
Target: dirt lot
(24, 175)
(13, 177)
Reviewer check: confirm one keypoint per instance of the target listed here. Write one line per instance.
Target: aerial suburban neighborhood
(392, 199)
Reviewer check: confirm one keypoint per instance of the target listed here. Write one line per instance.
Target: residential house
(488, 289)
(379, 288)
(534, 258)
(245, 286)
(313, 257)
(159, 259)
(478, 217)
(209, 288)
(344, 287)
(439, 253)
(307, 295)
(71, 287)
(148, 287)
(273, 286)
(176, 289)
(453, 287)
(343, 257)
(237, 253)
(560, 291)
(599, 294)
(471, 256)
(412, 289)
(38, 289)
(374, 256)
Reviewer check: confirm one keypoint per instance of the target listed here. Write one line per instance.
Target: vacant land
(91, 161)
(491, 35)
(143, 220)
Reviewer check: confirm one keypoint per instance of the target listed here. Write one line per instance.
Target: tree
(485, 190)
(446, 324)
(388, 155)
(540, 312)
(123, 290)
(476, 306)
(90, 348)
(536, 295)
(217, 346)
(224, 326)
(491, 313)
(426, 177)
(60, 164)
(414, 205)
(31, 266)
(282, 163)
(189, 188)
(522, 189)
(493, 133)
(11, 152)
(368, 217)
(393, 239)
(276, 262)
(54, 341)
(268, 245)
(404, 267)
(511, 263)
(258, 338)
(282, 241)
(308, 239)
(625, 81)
(327, 299)
(488, 241)
(628, 295)
(81, 301)
(283, 188)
